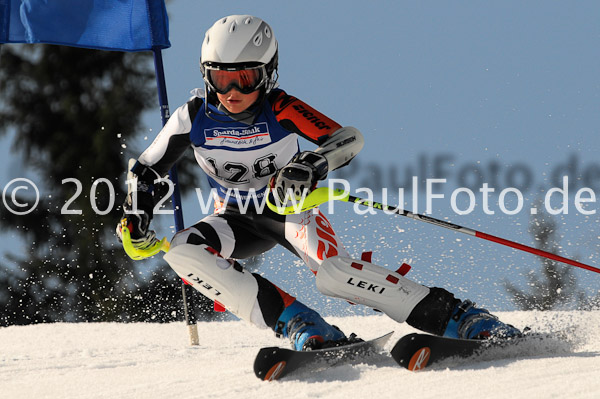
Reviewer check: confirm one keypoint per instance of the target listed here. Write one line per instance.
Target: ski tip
(269, 364)
(419, 359)
(275, 371)
(415, 359)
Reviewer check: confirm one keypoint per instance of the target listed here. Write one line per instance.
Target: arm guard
(341, 147)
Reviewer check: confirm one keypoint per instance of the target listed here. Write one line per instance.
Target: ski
(417, 351)
(272, 363)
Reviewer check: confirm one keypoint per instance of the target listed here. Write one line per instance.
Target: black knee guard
(433, 312)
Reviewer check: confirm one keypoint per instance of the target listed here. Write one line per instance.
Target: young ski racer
(244, 131)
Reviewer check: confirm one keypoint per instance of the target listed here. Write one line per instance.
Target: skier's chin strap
(367, 284)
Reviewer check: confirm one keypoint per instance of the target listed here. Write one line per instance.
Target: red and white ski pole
(471, 232)
(324, 194)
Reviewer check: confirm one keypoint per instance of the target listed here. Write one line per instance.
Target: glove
(300, 176)
(138, 224)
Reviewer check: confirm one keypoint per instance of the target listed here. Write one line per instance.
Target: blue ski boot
(469, 322)
(306, 329)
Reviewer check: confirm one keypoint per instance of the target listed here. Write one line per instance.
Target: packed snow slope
(155, 361)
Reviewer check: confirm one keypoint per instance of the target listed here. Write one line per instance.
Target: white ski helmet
(238, 42)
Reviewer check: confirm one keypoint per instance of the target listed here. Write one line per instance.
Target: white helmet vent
(248, 21)
(258, 39)
(232, 27)
(267, 32)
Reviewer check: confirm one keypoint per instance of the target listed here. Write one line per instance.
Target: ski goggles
(245, 80)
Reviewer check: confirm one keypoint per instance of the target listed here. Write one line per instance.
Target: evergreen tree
(555, 284)
(72, 110)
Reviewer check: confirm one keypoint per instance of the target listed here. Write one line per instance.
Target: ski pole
(322, 195)
(188, 302)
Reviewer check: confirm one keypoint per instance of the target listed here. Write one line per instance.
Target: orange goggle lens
(245, 80)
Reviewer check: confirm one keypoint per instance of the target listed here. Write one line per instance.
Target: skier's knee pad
(371, 285)
(217, 278)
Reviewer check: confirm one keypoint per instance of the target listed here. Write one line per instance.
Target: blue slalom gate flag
(121, 25)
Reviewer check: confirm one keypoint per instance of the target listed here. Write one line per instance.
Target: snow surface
(111, 360)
